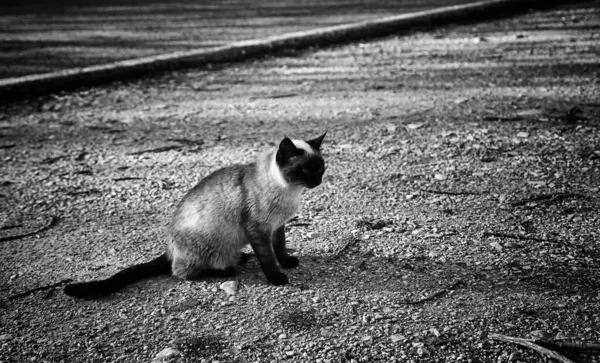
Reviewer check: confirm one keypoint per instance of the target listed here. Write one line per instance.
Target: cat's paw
(278, 279)
(289, 262)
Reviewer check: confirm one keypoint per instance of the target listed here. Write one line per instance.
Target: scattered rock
(166, 354)
(540, 334)
(397, 338)
(414, 126)
(230, 287)
(496, 246)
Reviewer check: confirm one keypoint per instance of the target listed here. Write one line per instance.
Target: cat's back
(217, 198)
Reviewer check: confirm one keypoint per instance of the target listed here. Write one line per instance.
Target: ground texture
(460, 200)
(51, 35)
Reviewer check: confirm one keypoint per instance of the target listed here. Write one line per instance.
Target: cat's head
(301, 162)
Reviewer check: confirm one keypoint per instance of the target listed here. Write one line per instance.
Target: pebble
(230, 287)
(167, 353)
(540, 334)
(397, 338)
(514, 356)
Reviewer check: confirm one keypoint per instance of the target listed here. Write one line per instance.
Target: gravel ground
(460, 200)
(51, 35)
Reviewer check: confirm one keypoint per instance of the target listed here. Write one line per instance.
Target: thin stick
(449, 192)
(156, 150)
(575, 345)
(514, 236)
(547, 198)
(127, 178)
(529, 344)
(187, 141)
(299, 224)
(282, 95)
(51, 223)
(435, 294)
(503, 118)
(41, 288)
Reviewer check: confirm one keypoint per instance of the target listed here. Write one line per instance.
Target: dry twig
(156, 150)
(187, 141)
(514, 236)
(531, 345)
(281, 95)
(50, 223)
(573, 345)
(435, 294)
(127, 178)
(547, 198)
(41, 288)
(299, 224)
(449, 192)
(503, 118)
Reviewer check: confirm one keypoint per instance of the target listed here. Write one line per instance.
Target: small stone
(514, 356)
(289, 353)
(496, 246)
(397, 338)
(540, 334)
(230, 287)
(166, 354)
(559, 336)
(282, 336)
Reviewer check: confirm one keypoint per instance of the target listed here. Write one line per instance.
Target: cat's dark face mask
(299, 166)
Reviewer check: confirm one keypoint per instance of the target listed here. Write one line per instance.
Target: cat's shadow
(366, 274)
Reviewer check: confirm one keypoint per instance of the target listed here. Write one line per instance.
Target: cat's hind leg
(184, 269)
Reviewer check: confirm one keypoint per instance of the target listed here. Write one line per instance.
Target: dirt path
(44, 36)
(463, 166)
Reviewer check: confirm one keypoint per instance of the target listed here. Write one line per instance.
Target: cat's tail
(158, 266)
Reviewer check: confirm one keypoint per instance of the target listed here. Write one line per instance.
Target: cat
(229, 209)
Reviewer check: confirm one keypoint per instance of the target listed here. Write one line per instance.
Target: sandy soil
(460, 200)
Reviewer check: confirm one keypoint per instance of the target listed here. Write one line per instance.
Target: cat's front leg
(260, 240)
(285, 260)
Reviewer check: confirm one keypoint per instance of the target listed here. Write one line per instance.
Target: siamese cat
(229, 209)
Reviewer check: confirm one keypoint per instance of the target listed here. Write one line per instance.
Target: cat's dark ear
(316, 143)
(287, 150)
